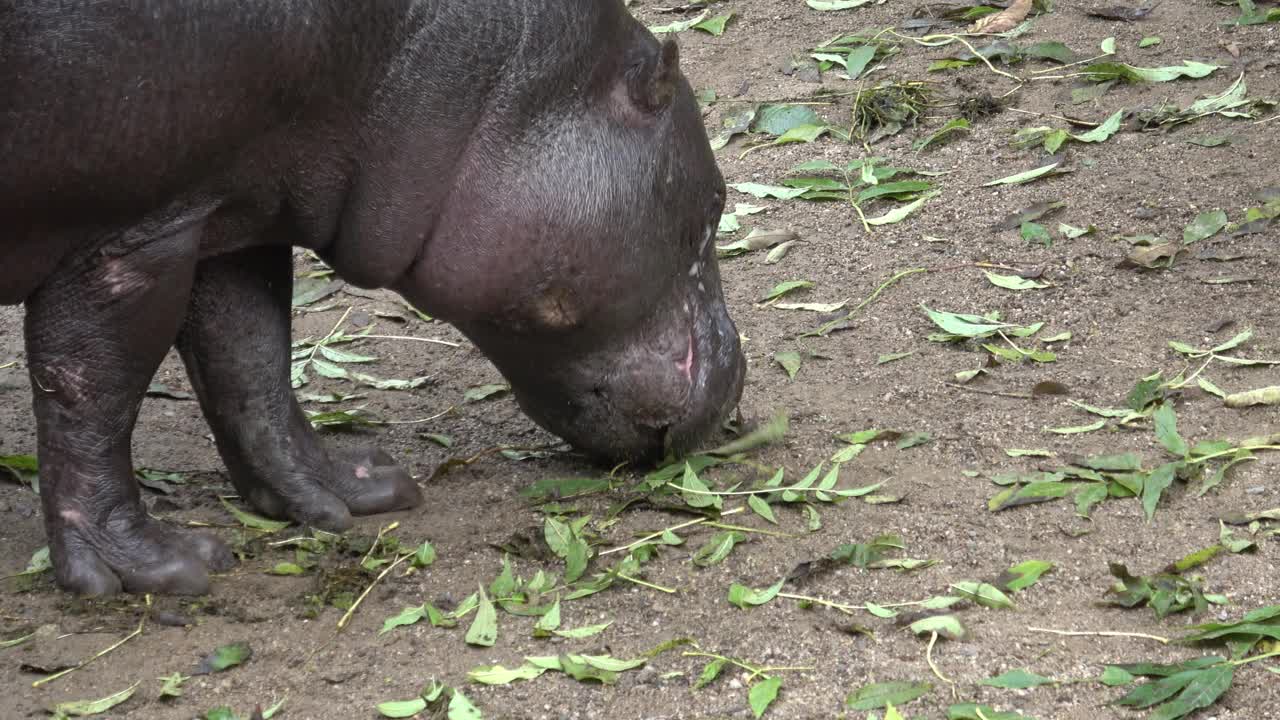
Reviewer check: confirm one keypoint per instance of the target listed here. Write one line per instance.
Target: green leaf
(483, 392)
(777, 119)
(1025, 177)
(1205, 226)
(1013, 282)
(484, 627)
(583, 632)
(744, 597)
(913, 439)
(984, 594)
(716, 549)
(172, 685)
(878, 695)
(950, 128)
(1017, 680)
(969, 326)
(408, 616)
(549, 621)
(1166, 425)
(1023, 575)
(499, 675)
(1104, 131)
(695, 493)
(947, 626)
(761, 507)
(762, 694)
(715, 25)
(250, 520)
(79, 708)
(783, 288)
(679, 25)
(801, 134)
(1099, 72)
(769, 191)
(710, 672)
(287, 568)
(1113, 676)
(223, 658)
(902, 212)
(402, 708)
(1077, 429)
(1154, 485)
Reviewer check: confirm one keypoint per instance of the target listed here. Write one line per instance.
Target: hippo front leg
(95, 332)
(236, 346)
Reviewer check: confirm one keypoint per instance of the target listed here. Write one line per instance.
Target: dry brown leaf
(1153, 256)
(1003, 21)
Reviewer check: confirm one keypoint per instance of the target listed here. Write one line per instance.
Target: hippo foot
(136, 554)
(366, 481)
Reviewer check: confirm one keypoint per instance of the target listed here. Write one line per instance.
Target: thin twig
(1101, 633)
(1056, 117)
(997, 393)
(638, 581)
(419, 421)
(410, 338)
(138, 631)
(346, 617)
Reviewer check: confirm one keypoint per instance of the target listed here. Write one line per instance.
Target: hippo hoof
(138, 557)
(370, 482)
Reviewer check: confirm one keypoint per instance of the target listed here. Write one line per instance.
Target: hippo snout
(661, 391)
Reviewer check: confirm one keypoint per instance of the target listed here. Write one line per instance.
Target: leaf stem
(638, 581)
(645, 540)
(1255, 658)
(1101, 633)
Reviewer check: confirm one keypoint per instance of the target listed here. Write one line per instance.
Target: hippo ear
(651, 82)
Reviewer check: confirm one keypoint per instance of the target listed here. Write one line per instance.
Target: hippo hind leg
(96, 331)
(236, 346)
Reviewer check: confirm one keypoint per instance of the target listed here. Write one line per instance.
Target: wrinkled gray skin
(533, 171)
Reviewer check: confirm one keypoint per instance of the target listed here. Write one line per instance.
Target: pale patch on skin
(74, 517)
(686, 365)
(67, 380)
(120, 279)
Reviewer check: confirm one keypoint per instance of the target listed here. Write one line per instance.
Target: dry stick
(997, 393)
(410, 338)
(138, 631)
(651, 536)
(1101, 633)
(351, 610)
(419, 421)
(1056, 117)
(1266, 120)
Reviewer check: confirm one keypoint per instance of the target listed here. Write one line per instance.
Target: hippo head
(577, 252)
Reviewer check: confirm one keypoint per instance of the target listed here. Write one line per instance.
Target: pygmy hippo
(535, 172)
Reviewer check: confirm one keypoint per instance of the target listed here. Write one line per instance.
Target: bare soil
(1120, 320)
